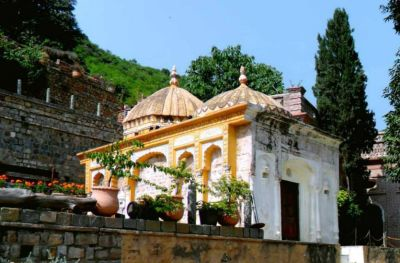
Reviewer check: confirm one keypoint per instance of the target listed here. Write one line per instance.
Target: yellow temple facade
(242, 133)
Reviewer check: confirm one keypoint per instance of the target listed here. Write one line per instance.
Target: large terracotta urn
(107, 200)
(175, 215)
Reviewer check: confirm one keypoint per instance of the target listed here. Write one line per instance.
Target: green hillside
(130, 78)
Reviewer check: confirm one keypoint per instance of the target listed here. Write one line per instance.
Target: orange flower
(49, 184)
(18, 181)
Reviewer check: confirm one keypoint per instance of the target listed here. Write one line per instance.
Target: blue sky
(283, 34)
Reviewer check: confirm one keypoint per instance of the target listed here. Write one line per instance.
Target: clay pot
(175, 215)
(228, 220)
(107, 200)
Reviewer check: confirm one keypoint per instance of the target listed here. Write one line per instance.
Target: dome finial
(174, 77)
(243, 78)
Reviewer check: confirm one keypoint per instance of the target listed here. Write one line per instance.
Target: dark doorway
(290, 210)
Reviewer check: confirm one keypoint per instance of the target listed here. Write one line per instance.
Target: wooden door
(290, 210)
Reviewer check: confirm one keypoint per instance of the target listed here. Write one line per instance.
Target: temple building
(269, 141)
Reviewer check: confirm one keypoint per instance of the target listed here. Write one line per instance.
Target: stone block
(153, 226)
(246, 232)
(9, 214)
(196, 229)
(89, 253)
(237, 232)
(25, 238)
(113, 222)
(261, 233)
(80, 220)
(130, 223)
(76, 253)
(48, 217)
(11, 236)
(167, 226)
(44, 237)
(102, 254)
(108, 241)
(141, 224)
(62, 251)
(227, 231)
(55, 239)
(68, 238)
(15, 251)
(254, 232)
(96, 221)
(115, 253)
(215, 230)
(86, 239)
(182, 228)
(64, 219)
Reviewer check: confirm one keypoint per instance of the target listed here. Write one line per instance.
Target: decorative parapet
(378, 149)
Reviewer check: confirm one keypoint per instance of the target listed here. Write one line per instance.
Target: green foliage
(341, 99)
(201, 205)
(392, 93)
(179, 175)
(393, 10)
(231, 192)
(132, 80)
(208, 76)
(27, 56)
(48, 21)
(346, 203)
(167, 203)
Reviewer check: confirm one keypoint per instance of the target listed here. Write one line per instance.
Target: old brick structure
(384, 197)
(44, 127)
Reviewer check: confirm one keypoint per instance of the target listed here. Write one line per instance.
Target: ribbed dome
(242, 94)
(170, 101)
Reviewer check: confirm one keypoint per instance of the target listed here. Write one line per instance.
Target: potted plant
(120, 165)
(144, 208)
(208, 212)
(170, 207)
(232, 192)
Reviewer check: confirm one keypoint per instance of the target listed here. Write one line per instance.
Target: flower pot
(228, 220)
(208, 216)
(107, 200)
(141, 210)
(175, 215)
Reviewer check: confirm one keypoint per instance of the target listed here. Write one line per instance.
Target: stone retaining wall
(42, 135)
(41, 234)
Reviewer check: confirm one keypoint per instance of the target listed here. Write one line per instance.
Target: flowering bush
(42, 186)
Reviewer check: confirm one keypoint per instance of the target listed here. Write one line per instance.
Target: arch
(98, 179)
(144, 158)
(209, 156)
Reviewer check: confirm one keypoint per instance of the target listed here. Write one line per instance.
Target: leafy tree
(393, 10)
(341, 99)
(208, 76)
(52, 21)
(392, 92)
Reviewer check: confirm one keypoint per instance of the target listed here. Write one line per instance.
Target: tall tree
(208, 76)
(51, 21)
(341, 99)
(392, 92)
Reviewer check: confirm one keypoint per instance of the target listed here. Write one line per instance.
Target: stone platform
(101, 239)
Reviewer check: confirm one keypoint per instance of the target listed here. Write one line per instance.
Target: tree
(50, 21)
(341, 100)
(392, 92)
(209, 76)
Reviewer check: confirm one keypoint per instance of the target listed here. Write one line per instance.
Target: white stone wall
(156, 177)
(284, 154)
(216, 171)
(244, 152)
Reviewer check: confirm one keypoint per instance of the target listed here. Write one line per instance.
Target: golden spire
(243, 78)
(174, 77)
